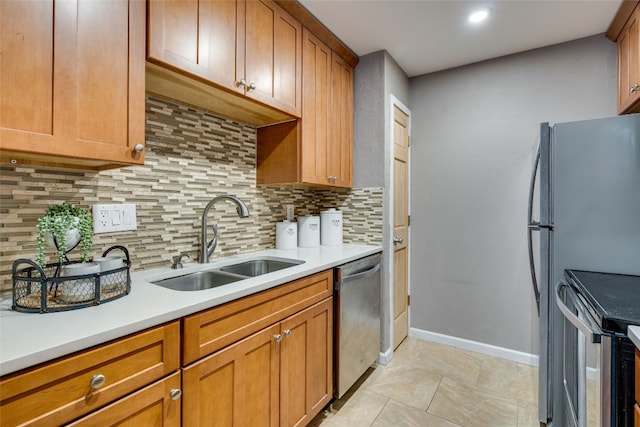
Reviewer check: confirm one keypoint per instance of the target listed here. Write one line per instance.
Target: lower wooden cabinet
(279, 376)
(262, 360)
(306, 364)
(155, 405)
(235, 386)
(63, 390)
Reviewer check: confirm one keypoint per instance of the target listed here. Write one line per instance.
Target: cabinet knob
(277, 337)
(252, 86)
(333, 178)
(242, 83)
(398, 240)
(634, 88)
(138, 148)
(175, 393)
(98, 381)
(287, 332)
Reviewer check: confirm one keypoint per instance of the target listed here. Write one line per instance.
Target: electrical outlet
(110, 218)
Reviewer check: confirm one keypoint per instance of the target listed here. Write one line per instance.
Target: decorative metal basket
(42, 290)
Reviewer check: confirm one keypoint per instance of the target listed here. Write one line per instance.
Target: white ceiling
(424, 36)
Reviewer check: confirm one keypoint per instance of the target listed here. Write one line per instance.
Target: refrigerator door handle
(533, 226)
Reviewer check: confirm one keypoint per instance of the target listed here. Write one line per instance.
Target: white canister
(309, 231)
(286, 235)
(78, 290)
(110, 282)
(331, 227)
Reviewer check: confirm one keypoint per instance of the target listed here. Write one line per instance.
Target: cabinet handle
(287, 332)
(252, 86)
(398, 240)
(634, 88)
(138, 148)
(333, 178)
(175, 393)
(277, 337)
(98, 381)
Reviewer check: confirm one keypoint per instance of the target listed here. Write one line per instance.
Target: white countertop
(27, 339)
(634, 334)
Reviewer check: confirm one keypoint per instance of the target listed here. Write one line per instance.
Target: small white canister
(309, 231)
(331, 227)
(286, 235)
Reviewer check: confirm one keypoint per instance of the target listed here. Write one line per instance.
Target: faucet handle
(177, 260)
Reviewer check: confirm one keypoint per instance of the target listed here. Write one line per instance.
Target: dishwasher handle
(366, 273)
(591, 331)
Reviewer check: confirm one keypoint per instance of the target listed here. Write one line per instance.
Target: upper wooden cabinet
(252, 48)
(317, 150)
(72, 82)
(341, 123)
(625, 30)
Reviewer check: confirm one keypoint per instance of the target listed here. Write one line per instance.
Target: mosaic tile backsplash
(190, 157)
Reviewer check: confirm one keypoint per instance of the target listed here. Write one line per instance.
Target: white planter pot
(73, 237)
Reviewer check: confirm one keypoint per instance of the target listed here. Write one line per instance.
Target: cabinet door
(316, 94)
(629, 65)
(306, 371)
(151, 406)
(273, 52)
(340, 152)
(72, 79)
(237, 386)
(200, 38)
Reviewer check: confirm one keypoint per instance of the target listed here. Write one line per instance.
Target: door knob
(398, 240)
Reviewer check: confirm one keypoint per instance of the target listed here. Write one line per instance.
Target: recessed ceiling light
(479, 15)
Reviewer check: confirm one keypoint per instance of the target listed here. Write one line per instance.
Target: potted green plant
(63, 226)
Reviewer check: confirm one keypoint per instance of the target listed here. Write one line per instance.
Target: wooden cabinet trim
(299, 12)
(211, 330)
(128, 364)
(620, 19)
(637, 375)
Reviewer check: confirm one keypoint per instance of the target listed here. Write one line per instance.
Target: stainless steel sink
(199, 280)
(228, 274)
(260, 266)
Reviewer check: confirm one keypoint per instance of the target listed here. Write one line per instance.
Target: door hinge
(408, 300)
(408, 220)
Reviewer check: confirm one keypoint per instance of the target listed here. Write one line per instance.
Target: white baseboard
(475, 346)
(478, 347)
(385, 357)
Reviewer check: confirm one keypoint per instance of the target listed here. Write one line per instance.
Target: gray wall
(474, 132)
(377, 77)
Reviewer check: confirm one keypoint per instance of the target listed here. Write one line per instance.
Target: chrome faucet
(207, 248)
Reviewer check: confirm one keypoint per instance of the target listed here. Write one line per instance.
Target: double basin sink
(207, 279)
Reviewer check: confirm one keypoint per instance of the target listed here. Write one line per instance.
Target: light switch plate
(110, 218)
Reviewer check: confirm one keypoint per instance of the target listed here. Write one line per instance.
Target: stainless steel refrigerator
(587, 178)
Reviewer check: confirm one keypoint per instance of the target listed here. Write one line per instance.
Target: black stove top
(615, 298)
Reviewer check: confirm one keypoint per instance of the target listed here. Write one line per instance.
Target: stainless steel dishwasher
(357, 320)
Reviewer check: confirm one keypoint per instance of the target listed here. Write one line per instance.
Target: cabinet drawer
(211, 330)
(151, 406)
(60, 391)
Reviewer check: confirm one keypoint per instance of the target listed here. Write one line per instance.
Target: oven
(590, 350)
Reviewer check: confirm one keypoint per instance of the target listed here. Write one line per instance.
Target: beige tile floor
(429, 384)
